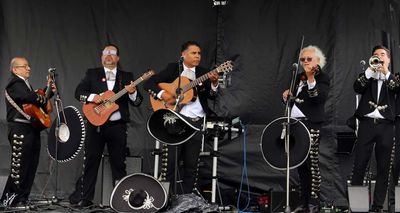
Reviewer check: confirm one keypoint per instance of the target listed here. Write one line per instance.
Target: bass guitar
(98, 114)
(187, 91)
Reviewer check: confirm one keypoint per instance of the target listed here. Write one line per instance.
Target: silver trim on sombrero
(291, 167)
(82, 139)
(168, 118)
(147, 204)
(138, 174)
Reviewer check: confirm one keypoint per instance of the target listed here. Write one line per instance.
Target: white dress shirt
(380, 77)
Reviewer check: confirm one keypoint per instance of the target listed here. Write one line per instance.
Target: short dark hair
(112, 45)
(186, 45)
(381, 47)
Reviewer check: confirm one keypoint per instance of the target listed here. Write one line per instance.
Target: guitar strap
(15, 105)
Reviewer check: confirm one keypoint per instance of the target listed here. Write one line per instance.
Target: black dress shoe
(83, 204)
(301, 209)
(376, 210)
(314, 208)
(19, 203)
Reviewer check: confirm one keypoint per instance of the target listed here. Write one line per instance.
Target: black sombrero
(138, 193)
(71, 135)
(273, 143)
(170, 127)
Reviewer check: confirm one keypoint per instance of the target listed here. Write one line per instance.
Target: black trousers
(25, 146)
(379, 133)
(310, 194)
(114, 134)
(396, 164)
(187, 152)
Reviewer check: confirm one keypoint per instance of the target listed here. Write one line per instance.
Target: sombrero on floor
(138, 193)
(170, 127)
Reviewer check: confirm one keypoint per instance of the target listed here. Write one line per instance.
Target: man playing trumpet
(376, 113)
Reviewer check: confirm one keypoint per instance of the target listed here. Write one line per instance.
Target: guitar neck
(48, 91)
(123, 91)
(196, 82)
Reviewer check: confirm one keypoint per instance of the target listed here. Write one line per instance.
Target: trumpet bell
(375, 62)
(273, 143)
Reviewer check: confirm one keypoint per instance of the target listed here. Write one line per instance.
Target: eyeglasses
(110, 52)
(24, 66)
(308, 59)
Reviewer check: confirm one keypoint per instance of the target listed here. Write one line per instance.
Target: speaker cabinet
(359, 198)
(397, 199)
(104, 184)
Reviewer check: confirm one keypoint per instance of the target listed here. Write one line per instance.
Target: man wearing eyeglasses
(307, 102)
(23, 136)
(376, 113)
(114, 132)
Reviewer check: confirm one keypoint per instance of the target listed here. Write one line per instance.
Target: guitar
(42, 119)
(187, 92)
(98, 114)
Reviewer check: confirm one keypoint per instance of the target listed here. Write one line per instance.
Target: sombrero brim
(157, 129)
(157, 196)
(76, 126)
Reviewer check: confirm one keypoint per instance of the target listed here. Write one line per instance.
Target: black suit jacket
(170, 73)
(95, 82)
(311, 102)
(368, 88)
(21, 94)
(397, 80)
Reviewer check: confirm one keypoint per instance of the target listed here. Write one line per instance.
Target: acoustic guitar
(187, 91)
(98, 114)
(41, 117)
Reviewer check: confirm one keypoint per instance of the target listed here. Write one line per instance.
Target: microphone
(52, 70)
(362, 64)
(283, 133)
(295, 66)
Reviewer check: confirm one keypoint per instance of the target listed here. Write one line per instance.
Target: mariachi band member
(194, 111)
(113, 132)
(312, 87)
(376, 113)
(23, 133)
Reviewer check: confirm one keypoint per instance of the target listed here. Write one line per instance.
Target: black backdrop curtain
(263, 36)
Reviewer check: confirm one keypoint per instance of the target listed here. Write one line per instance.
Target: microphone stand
(286, 126)
(179, 89)
(59, 108)
(178, 95)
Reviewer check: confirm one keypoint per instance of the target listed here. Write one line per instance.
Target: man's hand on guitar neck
(130, 88)
(213, 76)
(168, 98)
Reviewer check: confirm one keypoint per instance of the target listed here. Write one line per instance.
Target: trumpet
(375, 63)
